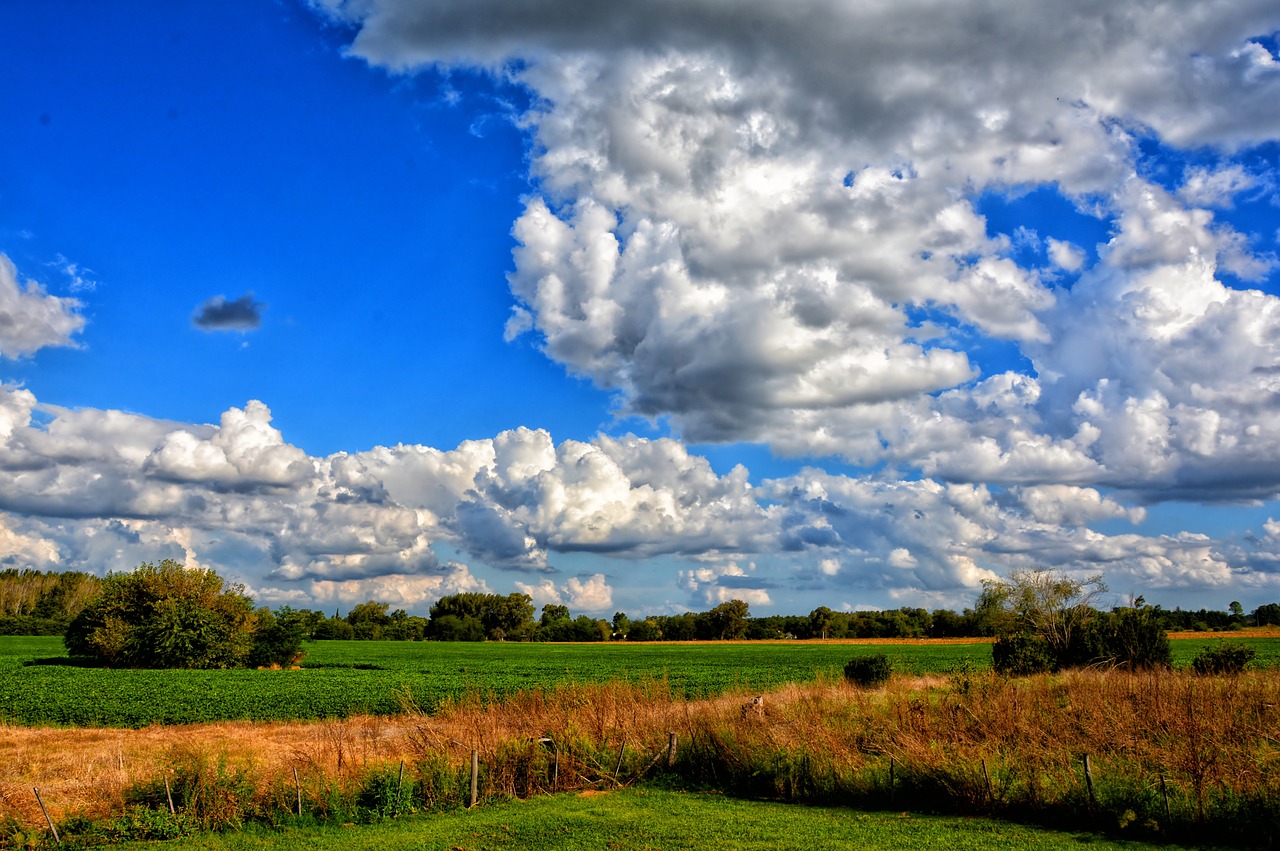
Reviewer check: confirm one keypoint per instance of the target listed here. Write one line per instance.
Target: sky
(644, 306)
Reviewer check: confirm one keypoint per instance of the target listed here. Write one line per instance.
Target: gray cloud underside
(742, 205)
(219, 314)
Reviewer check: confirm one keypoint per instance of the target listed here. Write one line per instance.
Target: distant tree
(278, 638)
(729, 619)
(165, 616)
(621, 624)
(508, 618)
(820, 621)
(681, 627)
(369, 620)
(455, 628)
(947, 624)
(1267, 615)
(333, 629)
(645, 630)
(34, 602)
(553, 612)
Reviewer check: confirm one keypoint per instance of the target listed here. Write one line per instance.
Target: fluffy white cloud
(83, 491)
(745, 211)
(30, 318)
(1205, 187)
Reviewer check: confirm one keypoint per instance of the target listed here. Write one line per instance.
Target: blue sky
(642, 308)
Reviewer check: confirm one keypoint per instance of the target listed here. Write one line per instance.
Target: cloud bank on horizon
(815, 227)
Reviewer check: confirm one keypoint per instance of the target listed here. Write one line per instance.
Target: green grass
(343, 678)
(653, 819)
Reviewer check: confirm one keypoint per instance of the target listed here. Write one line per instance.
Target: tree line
(34, 602)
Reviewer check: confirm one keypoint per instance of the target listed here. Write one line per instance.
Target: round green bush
(1225, 658)
(868, 670)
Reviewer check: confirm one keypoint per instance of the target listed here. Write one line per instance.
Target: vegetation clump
(170, 616)
(868, 671)
(1227, 658)
(1048, 622)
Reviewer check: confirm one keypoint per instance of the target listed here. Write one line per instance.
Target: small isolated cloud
(77, 276)
(1065, 255)
(219, 314)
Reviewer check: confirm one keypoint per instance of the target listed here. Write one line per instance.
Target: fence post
(475, 776)
(52, 829)
(671, 749)
(169, 795)
(1088, 782)
(297, 786)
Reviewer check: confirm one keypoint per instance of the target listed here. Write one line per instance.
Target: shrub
(868, 670)
(278, 639)
(1021, 655)
(1225, 658)
(165, 616)
(1129, 638)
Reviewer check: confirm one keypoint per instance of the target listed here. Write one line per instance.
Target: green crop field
(343, 678)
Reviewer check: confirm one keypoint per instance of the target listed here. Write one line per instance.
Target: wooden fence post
(617, 768)
(297, 786)
(52, 829)
(475, 776)
(1088, 782)
(169, 795)
(671, 750)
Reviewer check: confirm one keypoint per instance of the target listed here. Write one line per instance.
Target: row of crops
(341, 678)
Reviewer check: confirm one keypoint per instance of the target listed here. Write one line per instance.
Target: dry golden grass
(984, 742)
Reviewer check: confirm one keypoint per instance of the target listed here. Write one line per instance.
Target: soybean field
(338, 679)
(38, 685)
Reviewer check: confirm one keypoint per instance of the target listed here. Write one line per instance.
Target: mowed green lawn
(343, 678)
(656, 819)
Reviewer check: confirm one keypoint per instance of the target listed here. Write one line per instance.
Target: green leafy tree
(553, 612)
(165, 616)
(645, 630)
(278, 638)
(821, 620)
(369, 620)
(501, 618)
(729, 619)
(1267, 615)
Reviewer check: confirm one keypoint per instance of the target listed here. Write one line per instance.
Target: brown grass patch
(1168, 747)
